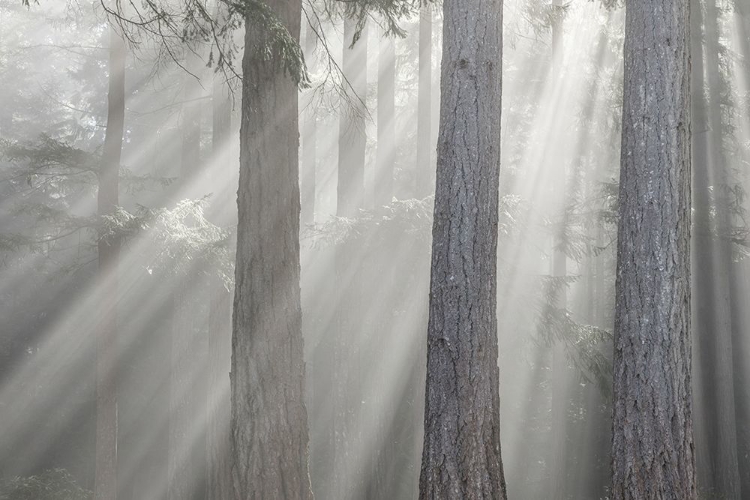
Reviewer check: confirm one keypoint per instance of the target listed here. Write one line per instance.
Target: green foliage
(54, 484)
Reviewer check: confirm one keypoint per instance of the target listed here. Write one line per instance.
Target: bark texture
(105, 480)
(652, 443)
(461, 455)
(268, 416)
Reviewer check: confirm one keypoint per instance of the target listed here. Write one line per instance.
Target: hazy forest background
(160, 208)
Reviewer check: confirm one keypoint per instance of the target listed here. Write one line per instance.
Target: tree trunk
(559, 461)
(386, 147)
(186, 444)
(652, 444)
(268, 418)
(105, 481)
(423, 177)
(348, 463)
(352, 136)
(715, 428)
(219, 330)
(461, 457)
(309, 137)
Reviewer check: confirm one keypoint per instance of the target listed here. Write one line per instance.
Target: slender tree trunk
(182, 467)
(268, 419)
(461, 457)
(743, 12)
(348, 464)
(715, 416)
(385, 160)
(219, 331)
(186, 445)
(652, 444)
(352, 136)
(309, 137)
(105, 481)
(423, 177)
(738, 280)
(560, 371)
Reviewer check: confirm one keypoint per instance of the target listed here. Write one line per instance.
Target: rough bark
(461, 456)
(268, 418)
(423, 178)
(105, 481)
(652, 444)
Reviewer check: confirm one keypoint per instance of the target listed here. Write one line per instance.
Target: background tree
(109, 250)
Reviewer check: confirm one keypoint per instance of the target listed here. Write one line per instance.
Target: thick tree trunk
(652, 444)
(424, 171)
(461, 457)
(385, 160)
(268, 419)
(105, 482)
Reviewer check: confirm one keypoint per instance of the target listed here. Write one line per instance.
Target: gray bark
(652, 444)
(105, 480)
(461, 456)
(268, 417)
